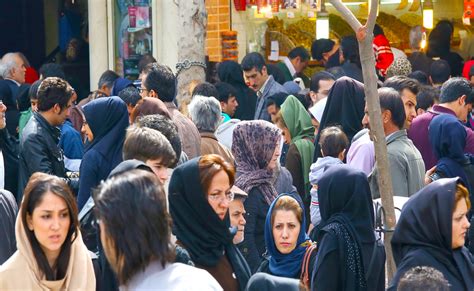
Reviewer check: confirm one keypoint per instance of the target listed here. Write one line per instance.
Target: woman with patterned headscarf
(256, 149)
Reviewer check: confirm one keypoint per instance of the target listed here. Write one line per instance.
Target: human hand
(428, 174)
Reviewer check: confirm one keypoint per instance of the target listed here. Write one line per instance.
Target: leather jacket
(39, 151)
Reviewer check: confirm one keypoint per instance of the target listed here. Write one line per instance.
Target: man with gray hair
(205, 112)
(12, 70)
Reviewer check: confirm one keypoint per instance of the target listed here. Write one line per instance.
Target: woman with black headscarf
(448, 138)
(199, 197)
(349, 257)
(344, 107)
(231, 72)
(431, 232)
(106, 120)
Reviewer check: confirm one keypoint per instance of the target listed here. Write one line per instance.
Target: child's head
(333, 142)
(152, 148)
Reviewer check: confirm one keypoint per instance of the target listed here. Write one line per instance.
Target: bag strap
(305, 277)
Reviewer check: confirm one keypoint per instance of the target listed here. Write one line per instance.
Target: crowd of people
(265, 180)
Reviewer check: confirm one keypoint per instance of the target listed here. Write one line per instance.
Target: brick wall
(218, 20)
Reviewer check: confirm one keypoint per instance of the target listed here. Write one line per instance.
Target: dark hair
(165, 126)
(160, 79)
(426, 97)
(321, 46)
(454, 88)
(391, 100)
(421, 278)
(205, 89)
(33, 93)
(350, 49)
(420, 76)
(276, 99)
(378, 30)
(130, 96)
(107, 78)
(225, 90)
(22, 97)
(399, 83)
(253, 60)
(53, 91)
(136, 244)
(52, 70)
(333, 141)
(323, 75)
(209, 166)
(299, 51)
(440, 71)
(144, 61)
(38, 185)
(143, 143)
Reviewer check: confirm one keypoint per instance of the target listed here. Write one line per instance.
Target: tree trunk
(367, 59)
(191, 45)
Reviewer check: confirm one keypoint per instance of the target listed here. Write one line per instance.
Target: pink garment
(361, 154)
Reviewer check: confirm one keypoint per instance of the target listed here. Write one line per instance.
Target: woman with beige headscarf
(51, 254)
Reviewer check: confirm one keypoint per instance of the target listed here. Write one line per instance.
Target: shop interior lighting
(428, 14)
(322, 22)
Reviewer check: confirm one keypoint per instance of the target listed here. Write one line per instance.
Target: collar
(14, 81)
(170, 105)
(438, 109)
(206, 134)
(395, 135)
(262, 89)
(290, 66)
(55, 131)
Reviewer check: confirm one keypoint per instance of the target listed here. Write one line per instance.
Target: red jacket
(383, 53)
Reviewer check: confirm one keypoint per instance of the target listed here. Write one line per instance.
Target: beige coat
(21, 272)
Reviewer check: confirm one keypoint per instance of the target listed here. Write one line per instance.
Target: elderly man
(12, 70)
(205, 112)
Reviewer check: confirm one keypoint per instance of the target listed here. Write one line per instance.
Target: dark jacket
(9, 149)
(253, 246)
(8, 91)
(39, 151)
(8, 212)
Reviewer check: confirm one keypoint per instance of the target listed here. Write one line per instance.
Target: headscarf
(399, 67)
(204, 235)
(253, 145)
(344, 107)
(448, 139)
(285, 265)
(79, 273)
(108, 120)
(231, 73)
(347, 214)
(425, 224)
(301, 129)
(149, 106)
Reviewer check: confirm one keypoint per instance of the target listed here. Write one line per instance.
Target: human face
(299, 65)
(50, 222)
(160, 170)
(230, 106)
(86, 130)
(460, 224)
(275, 158)
(272, 110)
(218, 194)
(463, 109)
(285, 132)
(255, 78)
(324, 88)
(3, 109)
(237, 218)
(34, 105)
(366, 119)
(62, 113)
(18, 73)
(409, 102)
(286, 229)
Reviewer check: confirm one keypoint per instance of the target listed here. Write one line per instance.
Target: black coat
(8, 213)
(39, 151)
(8, 92)
(9, 148)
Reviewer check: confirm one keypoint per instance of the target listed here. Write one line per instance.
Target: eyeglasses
(221, 198)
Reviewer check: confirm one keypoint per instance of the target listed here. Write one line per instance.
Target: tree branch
(346, 14)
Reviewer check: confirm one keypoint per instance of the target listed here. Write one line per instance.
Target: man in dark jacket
(39, 150)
